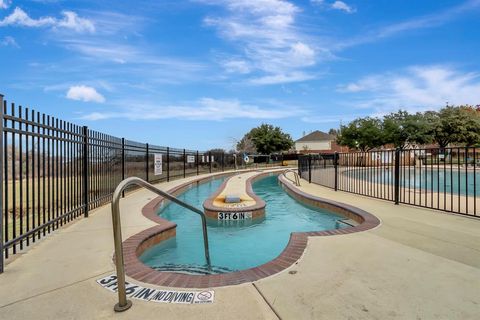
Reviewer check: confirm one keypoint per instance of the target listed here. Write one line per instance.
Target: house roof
(316, 136)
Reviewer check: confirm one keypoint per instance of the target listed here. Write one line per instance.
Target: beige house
(318, 142)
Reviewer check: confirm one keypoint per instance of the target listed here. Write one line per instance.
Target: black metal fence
(445, 179)
(53, 172)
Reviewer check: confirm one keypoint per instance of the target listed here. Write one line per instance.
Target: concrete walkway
(418, 264)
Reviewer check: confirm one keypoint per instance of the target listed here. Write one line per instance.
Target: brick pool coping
(134, 246)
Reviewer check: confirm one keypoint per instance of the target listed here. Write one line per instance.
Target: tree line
(451, 125)
(265, 139)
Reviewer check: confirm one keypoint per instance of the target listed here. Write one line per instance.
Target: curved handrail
(124, 304)
(297, 177)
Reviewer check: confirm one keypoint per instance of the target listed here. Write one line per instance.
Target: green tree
(470, 131)
(333, 132)
(246, 145)
(460, 125)
(401, 128)
(268, 139)
(217, 150)
(362, 133)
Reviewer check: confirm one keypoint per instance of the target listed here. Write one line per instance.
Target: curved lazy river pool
(234, 245)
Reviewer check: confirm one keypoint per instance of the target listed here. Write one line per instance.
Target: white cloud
(237, 66)
(21, 18)
(335, 5)
(4, 4)
(302, 54)
(70, 21)
(122, 25)
(135, 62)
(340, 5)
(203, 109)
(262, 7)
(369, 83)
(9, 41)
(103, 50)
(84, 93)
(422, 22)
(282, 78)
(266, 37)
(416, 88)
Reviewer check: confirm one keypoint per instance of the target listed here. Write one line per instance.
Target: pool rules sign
(157, 164)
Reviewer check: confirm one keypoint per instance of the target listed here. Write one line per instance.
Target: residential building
(318, 142)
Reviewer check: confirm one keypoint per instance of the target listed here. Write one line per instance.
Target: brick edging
(297, 243)
(364, 219)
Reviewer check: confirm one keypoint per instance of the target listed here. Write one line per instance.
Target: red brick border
(134, 246)
(364, 219)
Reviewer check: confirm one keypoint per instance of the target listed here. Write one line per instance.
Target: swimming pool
(438, 180)
(234, 245)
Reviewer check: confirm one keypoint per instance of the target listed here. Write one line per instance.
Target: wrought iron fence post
(197, 162)
(210, 160)
(85, 171)
(1, 185)
(168, 164)
(466, 157)
(184, 163)
(397, 176)
(146, 161)
(299, 165)
(335, 164)
(309, 168)
(466, 177)
(123, 163)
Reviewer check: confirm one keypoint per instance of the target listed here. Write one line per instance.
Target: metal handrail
(297, 177)
(124, 304)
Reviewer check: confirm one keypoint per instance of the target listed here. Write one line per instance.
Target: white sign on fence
(212, 159)
(190, 159)
(157, 163)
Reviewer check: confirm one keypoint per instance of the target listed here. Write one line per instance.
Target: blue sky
(199, 74)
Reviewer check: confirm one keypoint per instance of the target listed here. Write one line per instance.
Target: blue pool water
(438, 180)
(234, 245)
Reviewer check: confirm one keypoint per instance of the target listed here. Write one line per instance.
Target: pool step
(346, 222)
(192, 269)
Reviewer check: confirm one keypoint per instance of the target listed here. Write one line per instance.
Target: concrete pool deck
(418, 264)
